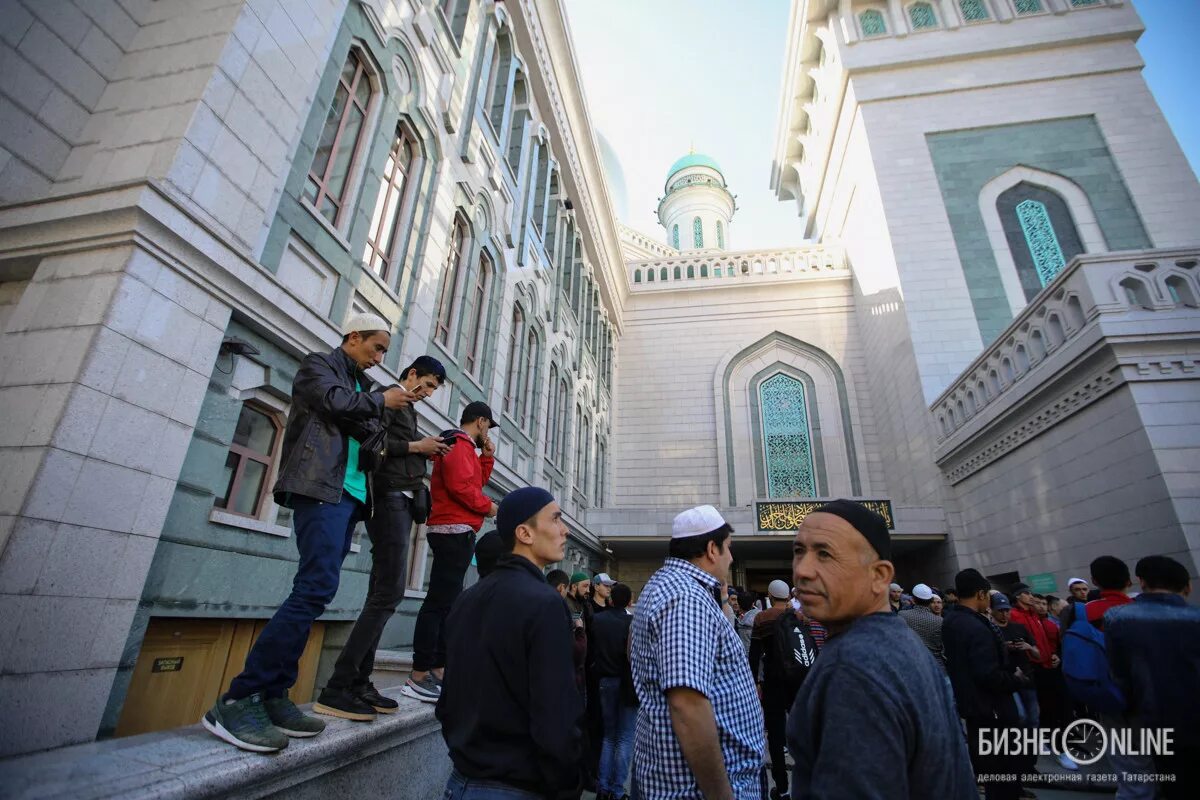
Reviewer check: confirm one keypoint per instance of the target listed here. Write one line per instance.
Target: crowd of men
(549, 685)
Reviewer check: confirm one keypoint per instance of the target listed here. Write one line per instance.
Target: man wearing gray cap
(875, 684)
(320, 480)
(700, 726)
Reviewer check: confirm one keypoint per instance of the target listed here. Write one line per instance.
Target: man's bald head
(838, 574)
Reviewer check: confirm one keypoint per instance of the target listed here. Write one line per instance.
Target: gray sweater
(875, 718)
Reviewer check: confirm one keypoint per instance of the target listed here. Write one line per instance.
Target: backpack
(1085, 665)
(795, 648)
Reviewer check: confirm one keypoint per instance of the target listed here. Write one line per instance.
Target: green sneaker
(244, 723)
(291, 720)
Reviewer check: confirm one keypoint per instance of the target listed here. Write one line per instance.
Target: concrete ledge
(392, 668)
(399, 755)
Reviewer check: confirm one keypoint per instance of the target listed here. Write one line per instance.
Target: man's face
(422, 386)
(1040, 608)
(837, 575)
(722, 557)
(562, 590)
(1079, 591)
(1058, 606)
(734, 604)
(1000, 615)
(545, 535)
(368, 352)
(936, 605)
(894, 595)
(603, 591)
(1026, 601)
(581, 589)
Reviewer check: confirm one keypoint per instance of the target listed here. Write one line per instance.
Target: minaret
(696, 206)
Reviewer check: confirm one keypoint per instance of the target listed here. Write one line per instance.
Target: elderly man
(875, 684)
(924, 622)
(700, 726)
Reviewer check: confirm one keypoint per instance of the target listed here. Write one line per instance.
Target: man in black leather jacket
(320, 480)
(399, 495)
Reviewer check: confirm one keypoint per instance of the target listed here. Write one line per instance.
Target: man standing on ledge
(509, 708)
(320, 480)
(875, 717)
(459, 507)
(700, 725)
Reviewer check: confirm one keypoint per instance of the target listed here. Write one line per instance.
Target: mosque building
(990, 335)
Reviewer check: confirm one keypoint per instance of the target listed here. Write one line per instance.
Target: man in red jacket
(458, 509)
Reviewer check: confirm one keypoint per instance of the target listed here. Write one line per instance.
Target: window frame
(452, 275)
(405, 206)
(269, 462)
(481, 285)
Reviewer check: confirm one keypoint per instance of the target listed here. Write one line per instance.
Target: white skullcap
(779, 590)
(365, 322)
(1074, 581)
(922, 592)
(696, 522)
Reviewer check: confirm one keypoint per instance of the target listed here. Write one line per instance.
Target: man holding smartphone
(459, 508)
(400, 499)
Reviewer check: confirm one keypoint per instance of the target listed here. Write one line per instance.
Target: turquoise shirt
(356, 479)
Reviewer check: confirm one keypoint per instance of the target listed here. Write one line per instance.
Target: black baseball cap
(478, 409)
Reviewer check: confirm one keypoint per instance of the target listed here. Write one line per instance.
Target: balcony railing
(716, 267)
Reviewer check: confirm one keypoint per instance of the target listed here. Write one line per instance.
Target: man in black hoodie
(399, 489)
(509, 708)
(984, 679)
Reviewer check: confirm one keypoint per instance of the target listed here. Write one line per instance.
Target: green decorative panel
(1073, 148)
(675, 236)
(697, 233)
(973, 10)
(1029, 6)
(872, 23)
(787, 442)
(720, 234)
(922, 17)
(1083, 3)
(776, 516)
(1039, 235)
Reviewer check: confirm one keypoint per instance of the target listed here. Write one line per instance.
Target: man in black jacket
(397, 485)
(320, 480)
(983, 678)
(509, 708)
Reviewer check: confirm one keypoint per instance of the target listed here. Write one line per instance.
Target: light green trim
(693, 160)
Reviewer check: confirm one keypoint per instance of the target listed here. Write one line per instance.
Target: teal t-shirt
(356, 479)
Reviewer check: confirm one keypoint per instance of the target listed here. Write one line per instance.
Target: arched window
(973, 10)
(787, 445)
(872, 24)
(720, 235)
(476, 324)
(1028, 6)
(675, 236)
(1180, 291)
(579, 422)
(716, 271)
(650, 275)
(637, 275)
(512, 374)
(516, 125)
(691, 272)
(1041, 234)
(678, 273)
(563, 420)
(392, 203)
(662, 274)
(697, 233)
(922, 17)
(455, 12)
(451, 276)
(498, 79)
(541, 180)
(340, 139)
(529, 364)
(601, 467)
(1136, 293)
(552, 429)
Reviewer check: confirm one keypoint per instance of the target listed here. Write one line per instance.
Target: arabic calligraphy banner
(786, 515)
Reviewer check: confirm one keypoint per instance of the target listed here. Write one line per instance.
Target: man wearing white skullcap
(925, 624)
(321, 481)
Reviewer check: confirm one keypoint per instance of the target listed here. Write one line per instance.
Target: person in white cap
(700, 725)
(1078, 589)
(320, 480)
(925, 624)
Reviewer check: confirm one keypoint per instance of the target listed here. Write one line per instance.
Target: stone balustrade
(1088, 301)
(716, 267)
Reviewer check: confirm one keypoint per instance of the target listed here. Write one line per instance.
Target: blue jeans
(460, 788)
(323, 535)
(616, 753)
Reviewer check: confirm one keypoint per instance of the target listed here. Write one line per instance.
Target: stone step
(392, 668)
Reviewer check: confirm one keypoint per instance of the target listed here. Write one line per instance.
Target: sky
(663, 76)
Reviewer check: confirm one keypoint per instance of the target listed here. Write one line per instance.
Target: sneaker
(426, 690)
(1066, 762)
(342, 703)
(371, 696)
(291, 720)
(244, 723)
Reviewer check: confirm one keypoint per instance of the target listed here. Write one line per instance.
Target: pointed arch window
(499, 73)
(973, 10)
(872, 23)
(1028, 6)
(455, 12)
(922, 16)
(476, 326)
(391, 205)
(452, 275)
(720, 235)
(786, 437)
(1041, 234)
(337, 149)
(529, 365)
(697, 233)
(675, 236)
(552, 400)
(513, 373)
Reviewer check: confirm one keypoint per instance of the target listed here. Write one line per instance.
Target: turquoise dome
(693, 160)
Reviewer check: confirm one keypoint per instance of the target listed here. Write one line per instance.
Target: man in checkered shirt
(700, 725)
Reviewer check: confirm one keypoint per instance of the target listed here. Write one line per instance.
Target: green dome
(693, 160)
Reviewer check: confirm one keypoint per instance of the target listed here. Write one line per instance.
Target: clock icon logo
(1085, 741)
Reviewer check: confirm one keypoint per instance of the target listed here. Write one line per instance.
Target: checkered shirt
(681, 638)
(928, 626)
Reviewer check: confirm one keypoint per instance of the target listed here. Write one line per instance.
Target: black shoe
(344, 704)
(371, 696)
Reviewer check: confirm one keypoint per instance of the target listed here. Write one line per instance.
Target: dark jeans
(451, 557)
(323, 534)
(460, 788)
(777, 701)
(616, 752)
(389, 529)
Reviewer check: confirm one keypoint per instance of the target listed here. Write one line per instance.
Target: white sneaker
(1066, 762)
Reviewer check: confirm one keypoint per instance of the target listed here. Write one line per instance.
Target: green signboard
(1042, 583)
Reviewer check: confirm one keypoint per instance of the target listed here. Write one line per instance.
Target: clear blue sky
(663, 75)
